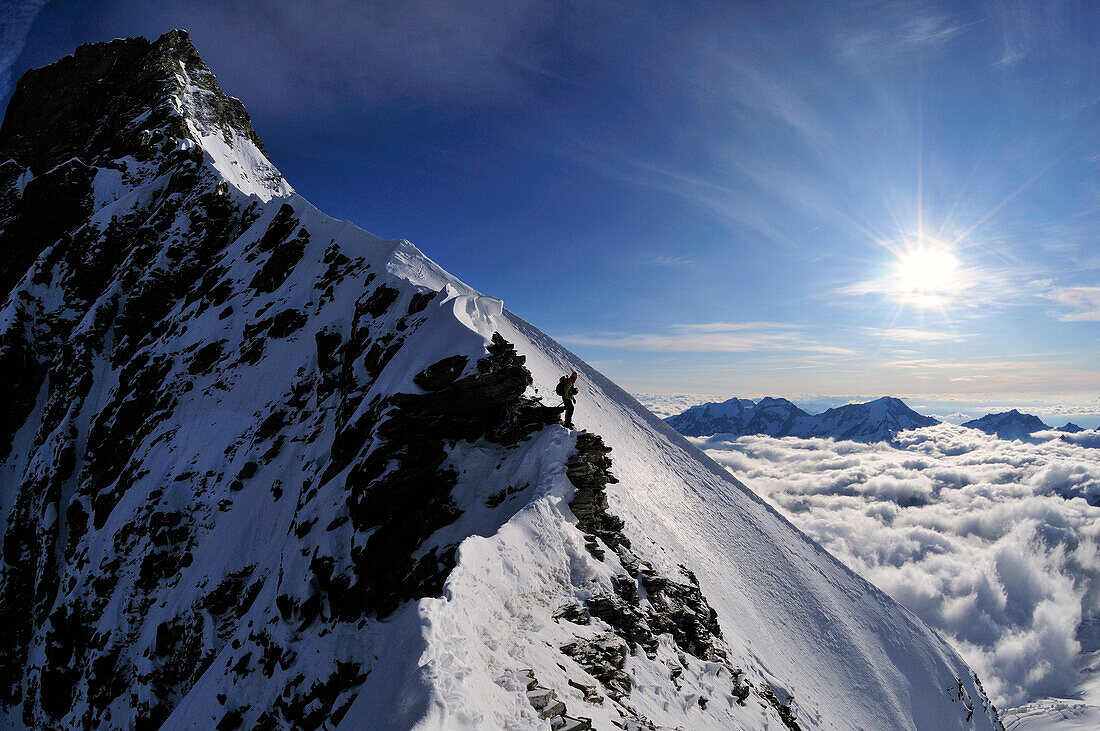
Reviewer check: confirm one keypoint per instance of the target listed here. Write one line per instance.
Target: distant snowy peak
(874, 421)
(878, 420)
(1070, 428)
(772, 416)
(1009, 424)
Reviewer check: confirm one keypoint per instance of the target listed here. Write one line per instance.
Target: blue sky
(754, 198)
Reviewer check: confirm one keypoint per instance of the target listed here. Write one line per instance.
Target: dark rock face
(442, 374)
(105, 102)
(52, 204)
(420, 300)
(115, 508)
(589, 471)
(22, 378)
(285, 253)
(604, 658)
(400, 493)
(84, 105)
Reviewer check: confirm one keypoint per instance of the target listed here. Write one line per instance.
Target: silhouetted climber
(567, 389)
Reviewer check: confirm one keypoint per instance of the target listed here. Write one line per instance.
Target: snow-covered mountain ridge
(874, 421)
(1013, 425)
(264, 470)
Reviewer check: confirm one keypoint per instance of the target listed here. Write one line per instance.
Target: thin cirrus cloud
(893, 29)
(914, 335)
(886, 30)
(667, 260)
(1080, 304)
(711, 337)
(991, 542)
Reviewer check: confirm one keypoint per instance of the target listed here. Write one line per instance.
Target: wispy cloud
(913, 335)
(711, 337)
(1082, 303)
(1016, 22)
(718, 197)
(1025, 373)
(667, 260)
(932, 363)
(893, 29)
(718, 327)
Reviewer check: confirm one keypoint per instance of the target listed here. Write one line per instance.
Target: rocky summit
(260, 469)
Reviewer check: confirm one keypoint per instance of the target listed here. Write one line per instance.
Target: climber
(567, 389)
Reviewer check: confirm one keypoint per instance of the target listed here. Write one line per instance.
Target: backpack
(560, 389)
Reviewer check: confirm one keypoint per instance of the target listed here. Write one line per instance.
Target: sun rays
(927, 274)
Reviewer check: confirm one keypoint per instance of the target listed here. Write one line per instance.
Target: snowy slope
(269, 471)
(874, 421)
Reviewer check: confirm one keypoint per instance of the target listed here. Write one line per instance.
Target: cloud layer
(995, 544)
(711, 337)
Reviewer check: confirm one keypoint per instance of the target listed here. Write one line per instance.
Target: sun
(927, 270)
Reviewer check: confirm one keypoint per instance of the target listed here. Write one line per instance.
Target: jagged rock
(575, 613)
(55, 202)
(280, 264)
(441, 374)
(589, 471)
(206, 356)
(380, 300)
(286, 322)
(21, 381)
(603, 658)
(420, 301)
(400, 493)
(783, 708)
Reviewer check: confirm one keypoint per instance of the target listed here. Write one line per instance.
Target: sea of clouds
(993, 543)
(665, 405)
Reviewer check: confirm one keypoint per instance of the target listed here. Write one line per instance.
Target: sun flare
(927, 270)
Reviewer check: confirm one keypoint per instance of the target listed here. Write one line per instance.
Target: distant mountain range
(1008, 424)
(874, 421)
(1016, 425)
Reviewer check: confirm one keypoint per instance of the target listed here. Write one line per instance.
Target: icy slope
(261, 469)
